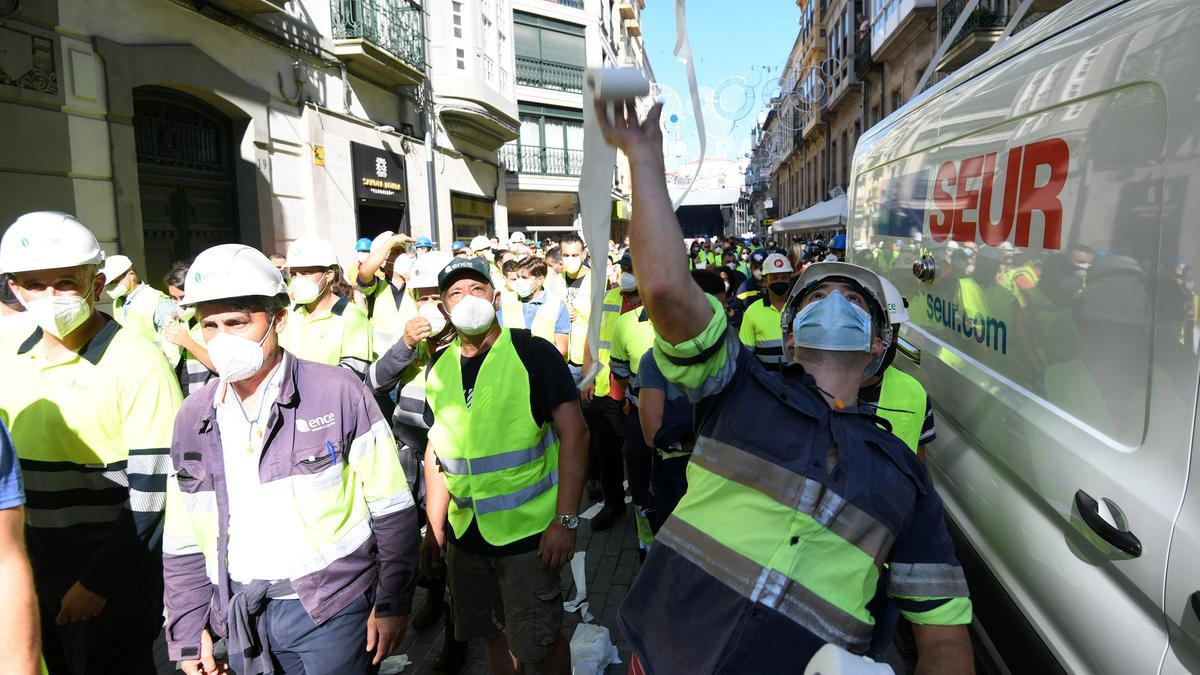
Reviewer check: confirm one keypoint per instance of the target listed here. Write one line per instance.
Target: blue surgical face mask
(834, 324)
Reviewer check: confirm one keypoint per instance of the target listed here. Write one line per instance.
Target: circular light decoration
(733, 99)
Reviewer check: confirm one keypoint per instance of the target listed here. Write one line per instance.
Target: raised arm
(676, 305)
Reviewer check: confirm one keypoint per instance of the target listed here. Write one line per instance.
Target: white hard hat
(231, 271)
(516, 238)
(893, 301)
(47, 240)
(381, 239)
(311, 252)
(115, 266)
(480, 243)
(426, 269)
(777, 263)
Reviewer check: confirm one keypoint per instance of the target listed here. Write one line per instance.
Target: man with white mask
(505, 468)
(324, 327)
(136, 305)
(290, 530)
(90, 405)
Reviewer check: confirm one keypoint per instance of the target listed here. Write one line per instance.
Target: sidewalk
(611, 562)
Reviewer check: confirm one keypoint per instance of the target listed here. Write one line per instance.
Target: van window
(1045, 231)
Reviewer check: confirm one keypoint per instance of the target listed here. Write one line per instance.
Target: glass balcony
(890, 19)
(542, 161)
(376, 36)
(549, 75)
(574, 4)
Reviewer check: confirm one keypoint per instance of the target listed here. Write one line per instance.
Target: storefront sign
(378, 174)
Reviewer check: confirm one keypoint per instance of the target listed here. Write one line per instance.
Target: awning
(830, 213)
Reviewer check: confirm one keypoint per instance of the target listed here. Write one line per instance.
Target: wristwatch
(569, 522)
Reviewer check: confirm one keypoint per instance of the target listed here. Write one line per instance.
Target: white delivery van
(1041, 210)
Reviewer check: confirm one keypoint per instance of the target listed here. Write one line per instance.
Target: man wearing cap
(291, 531)
(760, 329)
(779, 544)
(90, 405)
(388, 308)
(505, 468)
(136, 305)
(323, 326)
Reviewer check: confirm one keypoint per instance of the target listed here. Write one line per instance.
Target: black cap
(626, 263)
(461, 267)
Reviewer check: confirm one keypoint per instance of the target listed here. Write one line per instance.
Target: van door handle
(908, 350)
(1123, 540)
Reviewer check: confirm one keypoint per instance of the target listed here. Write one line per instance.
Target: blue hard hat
(838, 242)
(423, 242)
(457, 246)
(363, 244)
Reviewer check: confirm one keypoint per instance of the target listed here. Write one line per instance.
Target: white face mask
(628, 282)
(473, 315)
(523, 286)
(572, 264)
(117, 291)
(305, 290)
(59, 315)
(235, 357)
(433, 314)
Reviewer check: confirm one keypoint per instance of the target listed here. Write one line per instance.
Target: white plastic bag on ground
(394, 664)
(592, 650)
(833, 660)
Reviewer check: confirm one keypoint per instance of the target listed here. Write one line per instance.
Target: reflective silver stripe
(500, 461)
(67, 516)
(795, 491)
(770, 344)
(509, 501)
(66, 479)
(767, 587)
(513, 500)
(605, 344)
(610, 308)
(927, 580)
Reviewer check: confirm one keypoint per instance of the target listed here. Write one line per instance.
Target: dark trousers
(637, 460)
(300, 646)
(119, 640)
(607, 421)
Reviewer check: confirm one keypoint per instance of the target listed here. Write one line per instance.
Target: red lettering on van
(944, 201)
(992, 232)
(1053, 153)
(1022, 196)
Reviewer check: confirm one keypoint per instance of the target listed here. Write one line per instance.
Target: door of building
(186, 177)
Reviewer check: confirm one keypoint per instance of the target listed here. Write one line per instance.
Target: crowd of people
(274, 452)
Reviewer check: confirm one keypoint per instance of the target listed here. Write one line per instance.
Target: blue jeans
(299, 646)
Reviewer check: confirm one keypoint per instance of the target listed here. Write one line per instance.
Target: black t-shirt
(550, 385)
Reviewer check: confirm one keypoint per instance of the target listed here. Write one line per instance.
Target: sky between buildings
(739, 48)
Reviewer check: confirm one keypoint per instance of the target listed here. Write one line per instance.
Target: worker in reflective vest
(532, 307)
(760, 329)
(505, 468)
(779, 545)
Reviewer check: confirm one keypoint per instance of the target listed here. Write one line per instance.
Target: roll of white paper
(833, 660)
(617, 84)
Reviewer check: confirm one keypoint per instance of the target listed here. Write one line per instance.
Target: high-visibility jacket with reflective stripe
(92, 430)
(902, 392)
(193, 374)
(785, 529)
(342, 337)
(500, 467)
(632, 337)
(410, 403)
(145, 310)
(513, 314)
(611, 309)
(325, 436)
(762, 332)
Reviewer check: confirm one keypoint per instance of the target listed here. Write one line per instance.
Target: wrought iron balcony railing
(396, 26)
(549, 75)
(981, 19)
(540, 160)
